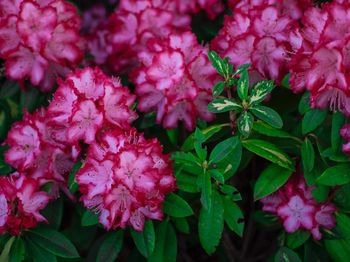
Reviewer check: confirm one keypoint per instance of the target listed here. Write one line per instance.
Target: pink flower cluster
(20, 202)
(38, 149)
(175, 80)
(296, 207)
(260, 33)
(125, 178)
(39, 40)
(89, 101)
(322, 63)
(345, 133)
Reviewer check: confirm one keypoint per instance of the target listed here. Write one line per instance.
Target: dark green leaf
(145, 240)
(243, 85)
(308, 155)
(72, 183)
(241, 68)
(217, 175)
(231, 191)
(211, 224)
(245, 123)
(218, 88)
(223, 149)
(260, 91)
(54, 242)
(17, 251)
(269, 151)
(37, 253)
(233, 216)
(222, 105)
(54, 213)
(186, 182)
(338, 120)
(165, 249)
(28, 99)
(206, 189)
(313, 119)
(188, 162)
(338, 250)
(268, 115)
(6, 251)
(270, 180)
(342, 197)
(297, 238)
(9, 88)
(284, 254)
(176, 206)
(182, 225)
(304, 104)
(221, 66)
(89, 219)
(198, 141)
(111, 246)
(335, 176)
(267, 130)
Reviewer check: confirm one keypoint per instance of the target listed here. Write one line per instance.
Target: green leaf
(218, 88)
(335, 176)
(211, 224)
(205, 186)
(6, 251)
(243, 85)
(342, 198)
(165, 249)
(72, 183)
(241, 68)
(186, 182)
(17, 251)
(176, 206)
(89, 219)
(54, 242)
(145, 240)
(270, 180)
(231, 191)
(307, 155)
(54, 213)
(226, 156)
(111, 246)
(304, 104)
(267, 115)
(338, 250)
(233, 216)
(28, 99)
(338, 120)
(313, 119)
(198, 141)
(343, 224)
(269, 151)
(217, 175)
(221, 66)
(284, 254)
(182, 225)
(207, 133)
(297, 239)
(222, 105)
(37, 253)
(188, 162)
(8, 89)
(267, 130)
(260, 91)
(245, 123)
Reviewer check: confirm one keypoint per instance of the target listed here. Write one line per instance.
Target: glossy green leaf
(338, 120)
(269, 151)
(37, 253)
(223, 105)
(217, 175)
(211, 224)
(307, 155)
(338, 250)
(304, 104)
(206, 188)
(221, 65)
(335, 176)
(285, 254)
(54, 242)
(6, 251)
(110, 247)
(17, 251)
(296, 239)
(176, 206)
(268, 115)
(270, 180)
(89, 219)
(267, 130)
(231, 191)
(223, 149)
(182, 225)
(233, 216)
(243, 85)
(165, 249)
(145, 240)
(260, 91)
(313, 119)
(245, 123)
(218, 88)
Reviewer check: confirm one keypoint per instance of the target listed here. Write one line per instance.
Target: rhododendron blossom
(175, 80)
(38, 149)
(88, 101)
(321, 64)
(20, 202)
(298, 210)
(259, 33)
(345, 133)
(125, 178)
(39, 40)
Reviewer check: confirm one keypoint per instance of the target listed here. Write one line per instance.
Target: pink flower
(259, 33)
(345, 134)
(125, 178)
(39, 40)
(321, 62)
(175, 79)
(20, 203)
(87, 102)
(298, 210)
